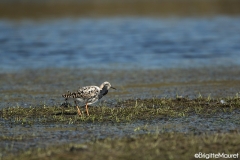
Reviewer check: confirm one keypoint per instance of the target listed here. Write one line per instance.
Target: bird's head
(106, 85)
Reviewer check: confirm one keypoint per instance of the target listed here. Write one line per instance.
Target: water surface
(120, 43)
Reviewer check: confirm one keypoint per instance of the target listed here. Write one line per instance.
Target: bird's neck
(104, 91)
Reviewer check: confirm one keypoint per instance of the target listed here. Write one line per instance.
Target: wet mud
(36, 95)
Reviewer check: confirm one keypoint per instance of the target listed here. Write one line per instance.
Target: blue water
(119, 43)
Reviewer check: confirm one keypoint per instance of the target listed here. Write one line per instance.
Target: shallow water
(45, 87)
(118, 43)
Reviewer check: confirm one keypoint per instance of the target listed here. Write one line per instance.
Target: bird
(88, 95)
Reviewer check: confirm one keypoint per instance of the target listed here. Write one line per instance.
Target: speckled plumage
(88, 94)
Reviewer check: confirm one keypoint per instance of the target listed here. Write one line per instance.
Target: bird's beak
(112, 87)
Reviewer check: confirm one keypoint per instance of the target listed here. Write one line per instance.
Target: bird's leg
(78, 110)
(87, 109)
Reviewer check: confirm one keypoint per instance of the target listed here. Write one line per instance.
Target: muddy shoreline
(43, 88)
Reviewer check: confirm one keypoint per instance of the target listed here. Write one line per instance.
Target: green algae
(123, 111)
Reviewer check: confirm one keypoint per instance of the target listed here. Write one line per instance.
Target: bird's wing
(88, 92)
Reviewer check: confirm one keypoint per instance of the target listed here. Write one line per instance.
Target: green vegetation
(160, 146)
(124, 111)
(163, 145)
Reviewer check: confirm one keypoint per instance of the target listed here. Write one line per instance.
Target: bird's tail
(67, 95)
(70, 95)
